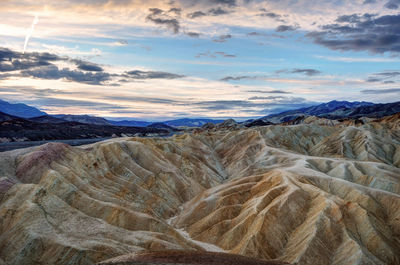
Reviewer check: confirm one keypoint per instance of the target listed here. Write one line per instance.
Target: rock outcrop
(310, 193)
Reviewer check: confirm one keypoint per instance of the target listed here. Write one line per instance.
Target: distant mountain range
(190, 122)
(20, 110)
(130, 123)
(84, 119)
(25, 111)
(331, 110)
(336, 110)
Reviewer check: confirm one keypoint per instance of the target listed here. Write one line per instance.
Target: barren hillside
(316, 192)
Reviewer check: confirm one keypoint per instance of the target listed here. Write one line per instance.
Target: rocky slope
(315, 192)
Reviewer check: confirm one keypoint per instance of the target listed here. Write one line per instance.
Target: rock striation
(311, 192)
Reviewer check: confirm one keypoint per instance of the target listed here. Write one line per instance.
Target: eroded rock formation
(315, 192)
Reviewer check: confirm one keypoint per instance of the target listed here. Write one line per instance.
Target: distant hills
(191, 122)
(321, 110)
(330, 110)
(84, 119)
(7, 117)
(130, 123)
(336, 110)
(20, 110)
(25, 111)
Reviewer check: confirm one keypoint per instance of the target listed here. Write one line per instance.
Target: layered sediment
(314, 192)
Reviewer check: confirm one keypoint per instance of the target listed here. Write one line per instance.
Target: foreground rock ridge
(315, 192)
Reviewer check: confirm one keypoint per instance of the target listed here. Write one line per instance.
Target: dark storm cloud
(270, 92)
(308, 72)
(137, 74)
(222, 38)
(283, 28)
(367, 32)
(159, 17)
(381, 91)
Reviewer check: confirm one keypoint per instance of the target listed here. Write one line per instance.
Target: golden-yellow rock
(314, 192)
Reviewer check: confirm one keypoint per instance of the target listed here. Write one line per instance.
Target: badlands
(314, 191)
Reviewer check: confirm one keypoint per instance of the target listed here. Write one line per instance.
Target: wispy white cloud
(358, 59)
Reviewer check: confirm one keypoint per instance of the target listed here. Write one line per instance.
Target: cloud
(283, 28)
(357, 59)
(255, 103)
(381, 91)
(53, 72)
(266, 98)
(218, 11)
(159, 17)
(389, 74)
(392, 4)
(86, 66)
(373, 80)
(137, 74)
(14, 61)
(269, 14)
(366, 2)
(222, 38)
(196, 14)
(237, 78)
(211, 12)
(147, 100)
(193, 34)
(254, 33)
(43, 66)
(224, 2)
(30, 31)
(175, 10)
(367, 32)
(270, 91)
(309, 72)
(215, 54)
(383, 77)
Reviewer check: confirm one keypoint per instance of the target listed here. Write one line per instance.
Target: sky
(157, 60)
